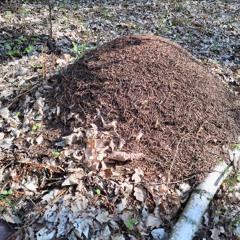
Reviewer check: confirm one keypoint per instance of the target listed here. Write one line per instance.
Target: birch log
(189, 221)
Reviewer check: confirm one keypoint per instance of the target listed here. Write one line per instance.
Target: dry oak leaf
(137, 176)
(140, 193)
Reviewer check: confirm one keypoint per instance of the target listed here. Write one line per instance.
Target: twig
(21, 94)
(160, 183)
(50, 18)
(44, 68)
(18, 96)
(179, 181)
(173, 161)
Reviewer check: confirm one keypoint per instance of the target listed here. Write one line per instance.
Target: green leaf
(22, 39)
(10, 191)
(36, 126)
(98, 191)
(4, 192)
(231, 188)
(238, 176)
(235, 147)
(56, 154)
(7, 192)
(18, 114)
(75, 47)
(232, 21)
(130, 223)
(29, 49)
(13, 52)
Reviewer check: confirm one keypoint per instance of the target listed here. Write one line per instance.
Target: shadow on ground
(15, 43)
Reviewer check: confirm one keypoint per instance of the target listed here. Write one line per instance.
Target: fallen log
(190, 219)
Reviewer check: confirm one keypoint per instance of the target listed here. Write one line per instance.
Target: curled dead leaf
(4, 113)
(108, 126)
(153, 221)
(39, 139)
(74, 178)
(139, 193)
(39, 104)
(74, 137)
(137, 176)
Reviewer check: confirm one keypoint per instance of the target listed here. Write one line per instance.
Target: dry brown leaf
(140, 193)
(74, 178)
(137, 176)
(153, 221)
(108, 126)
(112, 145)
(103, 217)
(107, 173)
(74, 137)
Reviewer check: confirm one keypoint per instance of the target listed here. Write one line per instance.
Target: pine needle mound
(152, 86)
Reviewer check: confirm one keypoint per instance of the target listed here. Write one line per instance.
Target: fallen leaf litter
(122, 88)
(99, 191)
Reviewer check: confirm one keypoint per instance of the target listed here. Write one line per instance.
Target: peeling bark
(189, 221)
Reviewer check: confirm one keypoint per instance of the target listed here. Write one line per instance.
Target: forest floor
(33, 184)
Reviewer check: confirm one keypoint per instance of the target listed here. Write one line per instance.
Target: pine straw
(152, 85)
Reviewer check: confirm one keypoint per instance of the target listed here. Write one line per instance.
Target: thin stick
(173, 161)
(22, 94)
(50, 18)
(160, 183)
